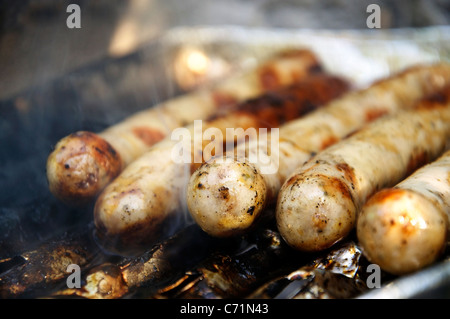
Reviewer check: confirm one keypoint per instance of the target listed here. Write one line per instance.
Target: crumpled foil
(362, 56)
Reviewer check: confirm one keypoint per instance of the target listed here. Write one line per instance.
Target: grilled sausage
(134, 208)
(405, 228)
(250, 190)
(318, 205)
(83, 163)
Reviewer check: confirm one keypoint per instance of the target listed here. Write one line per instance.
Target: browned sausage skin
(406, 228)
(299, 140)
(136, 134)
(319, 203)
(87, 160)
(133, 209)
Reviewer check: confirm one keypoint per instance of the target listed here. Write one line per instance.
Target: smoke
(33, 121)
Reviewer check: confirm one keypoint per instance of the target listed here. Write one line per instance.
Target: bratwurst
(83, 163)
(147, 199)
(405, 228)
(318, 204)
(251, 185)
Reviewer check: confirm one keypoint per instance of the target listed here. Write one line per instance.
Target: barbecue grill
(40, 236)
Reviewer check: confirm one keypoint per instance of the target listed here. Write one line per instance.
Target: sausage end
(314, 211)
(401, 231)
(81, 165)
(225, 196)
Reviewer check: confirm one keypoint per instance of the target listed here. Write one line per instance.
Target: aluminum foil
(360, 55)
